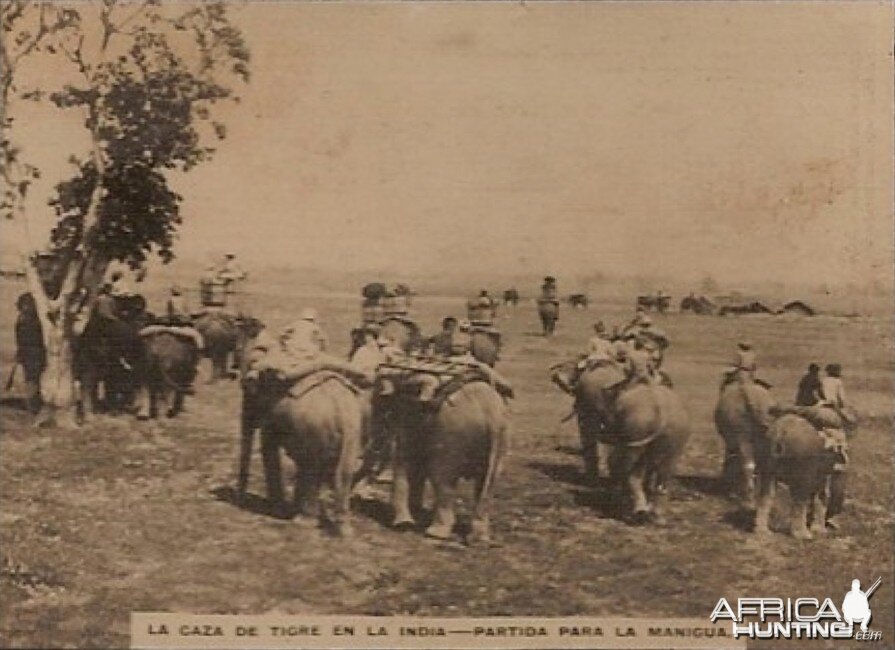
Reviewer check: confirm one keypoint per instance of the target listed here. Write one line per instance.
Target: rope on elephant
(175, 330)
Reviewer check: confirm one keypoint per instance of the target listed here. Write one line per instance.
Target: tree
(148, 78)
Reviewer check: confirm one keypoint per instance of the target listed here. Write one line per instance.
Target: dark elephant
(794, 453)
(593, 407)
(548, 311)
(511, 297)
(742, 418)
(659, 303)
(697, 305)
(223, 335)
(171, 358)
(578, 300)
(465, 437)
(647, 427)
(110, 355)
(484, 344)
(322, 432)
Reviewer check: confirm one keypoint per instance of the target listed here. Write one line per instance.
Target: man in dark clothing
(441, 343)
(30, 350)
(809, 387)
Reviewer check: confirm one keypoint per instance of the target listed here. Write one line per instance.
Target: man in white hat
(304, 338)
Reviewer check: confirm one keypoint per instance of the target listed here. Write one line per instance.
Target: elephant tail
(759, 414)
(349, 424)
(495, 458)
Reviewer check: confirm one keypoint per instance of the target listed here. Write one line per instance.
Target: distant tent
(797, 307)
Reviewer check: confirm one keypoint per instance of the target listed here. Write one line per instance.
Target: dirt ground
(126, 515)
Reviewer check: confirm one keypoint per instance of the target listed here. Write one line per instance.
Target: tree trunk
(58, 384)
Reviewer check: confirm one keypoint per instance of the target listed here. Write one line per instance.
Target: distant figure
(30, 350)
(549, 291)
(229, 270)
(441, 343)
(176, 308)
(809, 389)
(119, 286)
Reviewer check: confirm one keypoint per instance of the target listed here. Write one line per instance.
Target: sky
(747, 141)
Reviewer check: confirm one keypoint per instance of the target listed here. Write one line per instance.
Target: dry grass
(132, 516)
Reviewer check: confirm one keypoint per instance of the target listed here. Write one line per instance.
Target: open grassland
(128, 515)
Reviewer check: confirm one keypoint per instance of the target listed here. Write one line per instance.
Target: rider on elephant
(743, 367)
(440, 344)
(653, 339)
(832, 399)
(600, 349)
(176, 308)
(548, 289)
(369, 355)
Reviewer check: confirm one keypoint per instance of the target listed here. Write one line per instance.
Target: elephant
(593, 407)
(466, 436)
(223, 334)
(168, 371)
(404, 333)
(548, 311)
(578, 300)
(660, 303)
(110, 354)
(322, 432)
(651, 427)
(794, 453)
(700, 305)
(485, 345)
(511, 297)
(647, 427)
(742, 418)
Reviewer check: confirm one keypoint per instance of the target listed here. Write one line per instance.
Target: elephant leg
(799, 517)
(818, 510)
(658, 480)
(175, 400)
(270, 454)
(403, 461)
(416, 478)
(636, 486)
(618, 474)
(143, 402)
(587, 431)
(730, 470)
(747, 480)
(219, 365)
(307, 493)
(445, 496)
(89, 395)
(835, 501)
(767, 487)
(344, 478)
